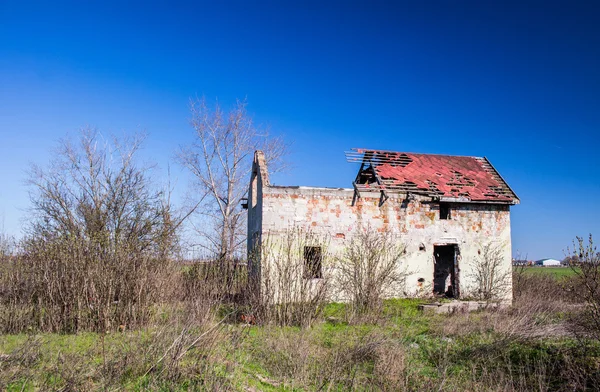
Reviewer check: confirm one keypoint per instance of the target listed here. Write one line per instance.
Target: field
(558, 272)
(526, 347)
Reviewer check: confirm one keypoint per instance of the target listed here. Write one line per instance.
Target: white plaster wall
(329, 214)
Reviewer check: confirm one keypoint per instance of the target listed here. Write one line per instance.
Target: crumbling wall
(416, 222)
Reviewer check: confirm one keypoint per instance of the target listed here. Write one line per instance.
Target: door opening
(445, 272)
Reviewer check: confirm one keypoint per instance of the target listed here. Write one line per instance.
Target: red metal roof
(443, 176)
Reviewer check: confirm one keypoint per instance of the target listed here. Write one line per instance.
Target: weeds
(286, 295)
(130, 318)
(369, 270)
(586, 288)
(492, 280)
(405, 350)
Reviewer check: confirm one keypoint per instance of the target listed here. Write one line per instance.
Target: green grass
(336, 353)
(557, 272)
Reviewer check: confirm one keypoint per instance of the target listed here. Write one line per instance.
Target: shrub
(586, 287)
(490, 273)
(368, 270)
(99, 247)
(286, 294)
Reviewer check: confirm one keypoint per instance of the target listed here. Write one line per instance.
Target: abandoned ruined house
(446, 210)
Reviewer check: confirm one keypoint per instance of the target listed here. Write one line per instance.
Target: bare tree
(369, 269)
(100, 237)
(491, 278)
(94, 190)
(220, 158)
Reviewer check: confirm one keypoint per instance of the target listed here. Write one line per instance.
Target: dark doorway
(445, 280)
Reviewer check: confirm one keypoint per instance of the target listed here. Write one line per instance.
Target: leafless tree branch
(220, 159)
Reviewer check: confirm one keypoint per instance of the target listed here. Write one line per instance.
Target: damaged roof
(449, 177)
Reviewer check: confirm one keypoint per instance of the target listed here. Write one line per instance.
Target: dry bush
(63, 287)
(20, 363)
(355, 361)
(291, 356)
(195, 345)
(192, 348)
(8, 247)
(507, 349)
(586, 288)
(544, 290)
(539, 305)
(527, 365)
(15, 292)
(538, 308)
(493, 359)
(490, 275)
(286, 294)
(299, 360)
(99, 246)
(393, 369)
(215, 281)
(369, 270)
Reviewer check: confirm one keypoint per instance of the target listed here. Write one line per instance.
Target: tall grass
(195, 345)
(132, 320)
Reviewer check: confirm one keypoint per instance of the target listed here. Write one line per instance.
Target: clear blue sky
(518, 82)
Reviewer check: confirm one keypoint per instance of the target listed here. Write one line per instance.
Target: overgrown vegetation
(288, 295)
(98, 249)
(493, 281)
(586, 287)
(96, 297)
(370, 269)
(194, 344)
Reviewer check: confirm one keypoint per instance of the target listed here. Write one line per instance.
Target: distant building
(548, 262)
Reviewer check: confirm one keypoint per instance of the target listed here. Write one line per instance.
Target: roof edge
(518, 200)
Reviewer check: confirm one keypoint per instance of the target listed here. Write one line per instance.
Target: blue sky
(517, 82)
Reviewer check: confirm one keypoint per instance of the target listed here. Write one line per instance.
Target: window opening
(445, 211)
(313, 257)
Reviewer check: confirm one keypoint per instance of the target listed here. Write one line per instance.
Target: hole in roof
(401, 160)
(366, 176)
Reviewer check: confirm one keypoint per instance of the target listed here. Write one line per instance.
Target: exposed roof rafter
(439, 176)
